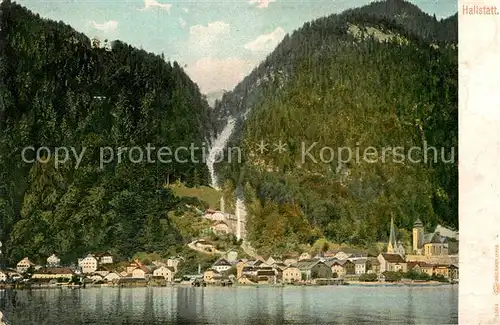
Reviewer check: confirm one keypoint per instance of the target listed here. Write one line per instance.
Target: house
(24, 265)
(211, 276)
(88, 264)
(443, 270)
(140, 271)
(3, 276)
(313, 269)
(53, 273)
(258, 263)
(239, 268)
(104, 258)
(102, 271)
(112, 276)
(304, 256)
(96, 277)
(220, 227)
(391, 262)
(337, 267)
(53, 261)
(279, 267)
(453, 272)
(247, 279)
(359, 266)
(173, 263)
(267, 276)
(291, 274)
(372, 265)
(420, 267)
(132, 266)
(221, 265)
(290, 261)
(342, 267)
(232, 256)
(166, 272)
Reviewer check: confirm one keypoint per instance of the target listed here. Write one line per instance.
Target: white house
(304, 256)
(141, 272)
(102, 271)
(232, 256)
(88, 264)
(359, 266)
(96, 277)
(3, 276)
(104, 258)
(166, 272)
(53, 261)
(391, 262)
(173, 263)
(24, 265)
(221, 265)
(111, 276)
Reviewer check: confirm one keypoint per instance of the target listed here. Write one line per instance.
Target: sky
(219, 41)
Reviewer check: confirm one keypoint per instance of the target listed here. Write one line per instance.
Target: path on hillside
(192, 245)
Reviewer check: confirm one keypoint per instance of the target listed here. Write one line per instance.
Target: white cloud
(212, 74)
(266, 42)
(212, 30)
(182, 22)
(203, 39)
(107, 26)
(261, 3)
(154, 3)
(186, 10)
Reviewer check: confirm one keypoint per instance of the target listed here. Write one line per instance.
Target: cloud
(212, 74)
(266, 42)
(212, 30)
(202, 39)
(261, 3)
(154, 3)
(186, 10)
(107, 26)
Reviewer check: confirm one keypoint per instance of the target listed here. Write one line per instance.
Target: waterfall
(241, 215)
(217, 148)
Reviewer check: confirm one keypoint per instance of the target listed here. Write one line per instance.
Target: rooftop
(393, 258)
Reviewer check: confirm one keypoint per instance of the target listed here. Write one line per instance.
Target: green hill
(57, 90)
(385, 75)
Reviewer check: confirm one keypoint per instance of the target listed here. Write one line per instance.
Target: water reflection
(241, 305)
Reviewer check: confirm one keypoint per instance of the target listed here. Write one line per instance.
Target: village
(434, 259)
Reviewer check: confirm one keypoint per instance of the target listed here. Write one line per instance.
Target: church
(431, 244)
(395, 247)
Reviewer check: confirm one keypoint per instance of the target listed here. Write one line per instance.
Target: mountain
(58, 89)
(214, 96)
(383, 75)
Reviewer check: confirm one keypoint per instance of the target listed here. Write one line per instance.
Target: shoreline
(350, 283)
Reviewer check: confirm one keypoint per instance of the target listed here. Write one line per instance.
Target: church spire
(391, 247)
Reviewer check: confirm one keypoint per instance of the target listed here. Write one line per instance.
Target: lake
(237, 305)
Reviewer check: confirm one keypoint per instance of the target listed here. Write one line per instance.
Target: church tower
(418, 236)
(391, 247)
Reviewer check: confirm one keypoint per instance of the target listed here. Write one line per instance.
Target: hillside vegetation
(56, 90)
(384, 75)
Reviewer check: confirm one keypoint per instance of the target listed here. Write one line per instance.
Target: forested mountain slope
(56, 90)
(384, 75)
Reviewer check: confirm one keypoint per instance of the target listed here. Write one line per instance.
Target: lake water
(237, 305)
